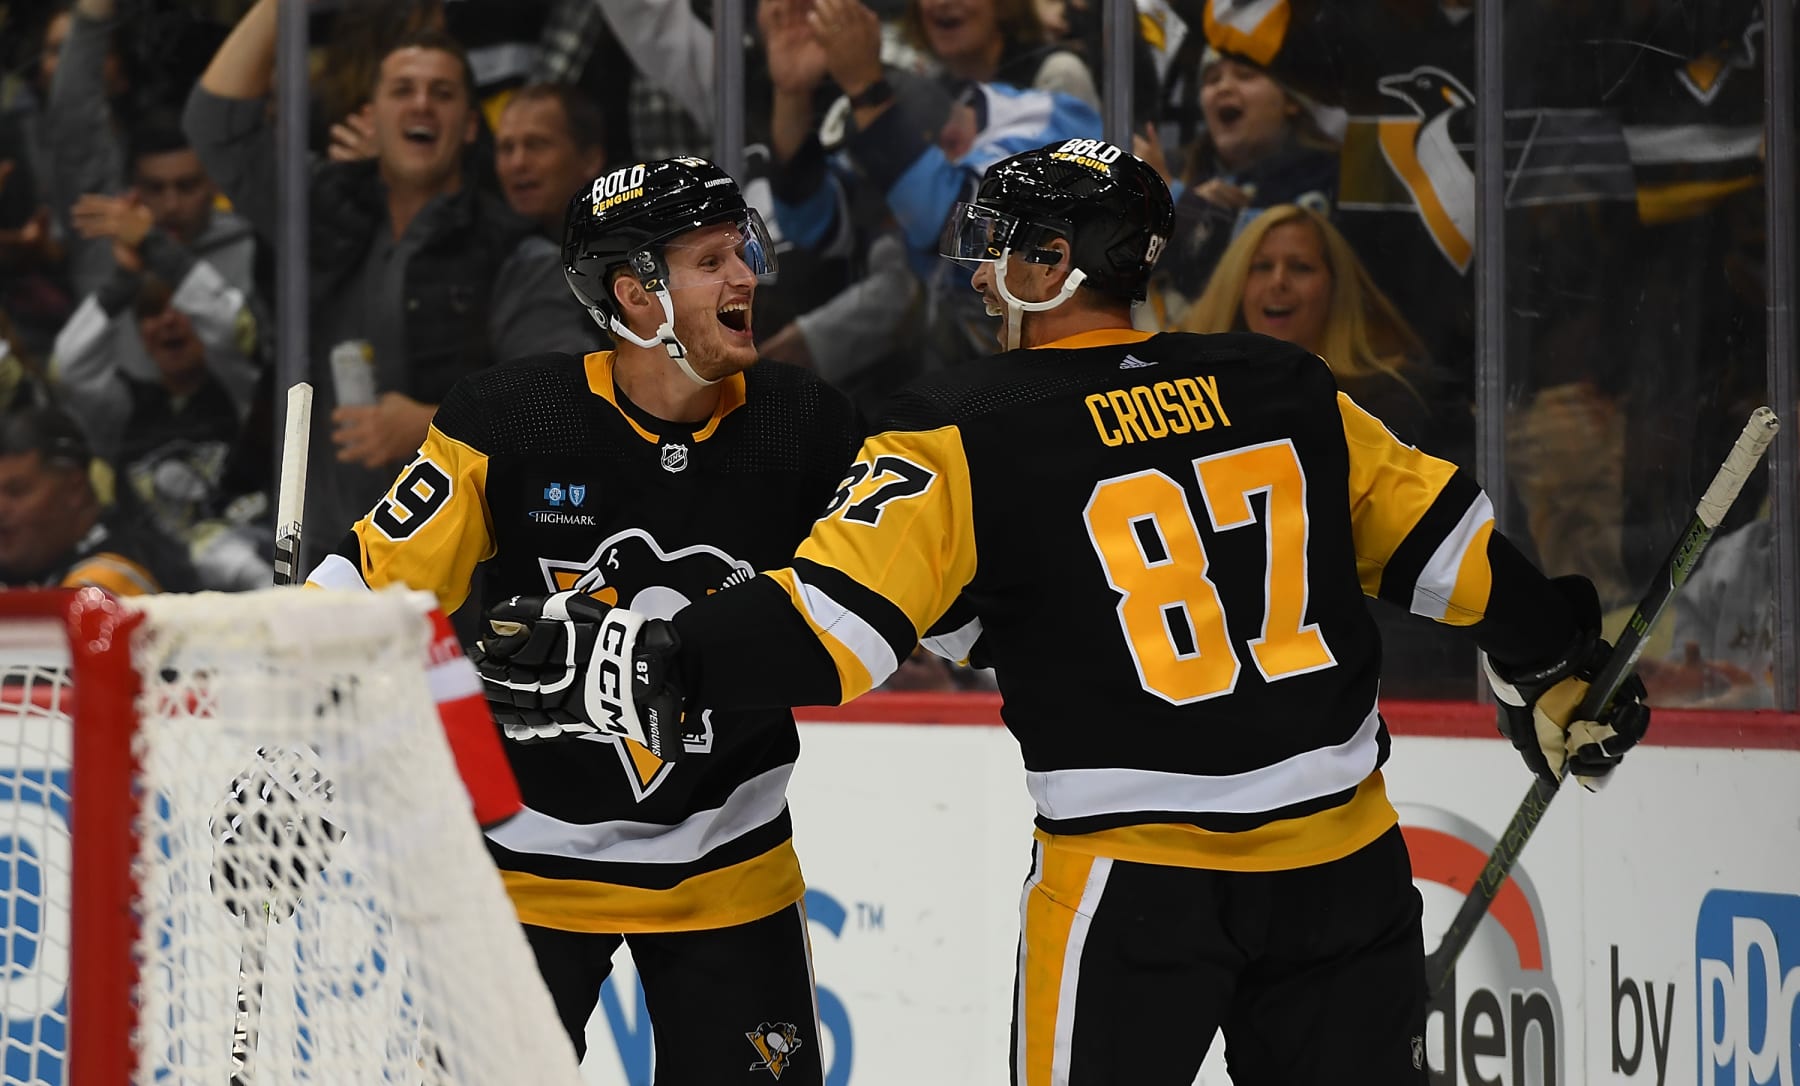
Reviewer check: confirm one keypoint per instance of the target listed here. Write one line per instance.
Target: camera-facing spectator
(352, 46)
(54, 528)
(413, 265)
(161, 384)
(550, 142)
(168, 222)
(1292, 276)
(1263, 146)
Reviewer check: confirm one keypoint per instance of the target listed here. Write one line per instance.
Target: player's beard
(712, 351)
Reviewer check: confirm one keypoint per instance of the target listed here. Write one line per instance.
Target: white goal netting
(313, 900)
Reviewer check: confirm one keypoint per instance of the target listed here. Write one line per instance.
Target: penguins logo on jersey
(631, 569)
(776, 1043)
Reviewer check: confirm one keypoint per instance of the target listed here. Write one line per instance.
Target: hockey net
(234, 847)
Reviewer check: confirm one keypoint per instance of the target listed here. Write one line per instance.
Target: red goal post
(235, 846)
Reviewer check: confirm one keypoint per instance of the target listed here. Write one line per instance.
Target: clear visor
(720, 252)
(975, 234)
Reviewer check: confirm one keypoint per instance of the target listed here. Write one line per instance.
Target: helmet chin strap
(665, 338)
(1016, 309)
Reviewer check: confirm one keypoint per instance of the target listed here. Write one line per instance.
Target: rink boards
(1653, 935)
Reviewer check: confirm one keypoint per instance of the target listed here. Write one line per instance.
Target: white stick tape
(1751, 444)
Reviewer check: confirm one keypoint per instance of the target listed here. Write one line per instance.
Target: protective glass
(704, 255)
(976, 234)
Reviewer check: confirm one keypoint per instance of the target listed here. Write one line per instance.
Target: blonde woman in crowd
(1291, 275)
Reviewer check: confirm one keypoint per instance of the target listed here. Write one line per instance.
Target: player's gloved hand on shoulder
(1538, 704)
(567, 665)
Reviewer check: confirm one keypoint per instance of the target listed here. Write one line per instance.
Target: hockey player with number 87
(647, 477)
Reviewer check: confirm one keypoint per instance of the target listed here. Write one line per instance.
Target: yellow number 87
(1169, 609)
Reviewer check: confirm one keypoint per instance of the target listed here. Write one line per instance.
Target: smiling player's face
(713, 290)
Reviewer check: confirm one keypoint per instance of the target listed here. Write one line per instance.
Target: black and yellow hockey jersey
(1161, 545)
(549, 479)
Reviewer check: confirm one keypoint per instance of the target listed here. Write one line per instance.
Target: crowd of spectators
(1320, 152)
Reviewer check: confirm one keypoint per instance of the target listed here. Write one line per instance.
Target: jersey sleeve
(1425, 539)
(1420, 525)
(894, 549)
(428, 532)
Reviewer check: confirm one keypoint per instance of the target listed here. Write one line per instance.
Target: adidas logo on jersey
(1133, 362)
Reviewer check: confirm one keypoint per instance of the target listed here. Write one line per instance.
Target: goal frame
(103, 969)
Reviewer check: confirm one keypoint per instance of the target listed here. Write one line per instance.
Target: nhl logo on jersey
(674, 457)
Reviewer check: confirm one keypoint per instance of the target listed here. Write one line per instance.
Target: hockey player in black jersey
(1161, 544)
(648, 477)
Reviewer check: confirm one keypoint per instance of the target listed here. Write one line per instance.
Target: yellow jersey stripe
(1474, 581)
(1046, 990)
(114, 573)
(722, 898)
(1282, 845)
(599, 369)
(855, 677)
(1392, 486)
(1099, 337)
(1434, 591)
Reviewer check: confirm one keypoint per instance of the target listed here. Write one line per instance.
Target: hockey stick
(1744, 455)
(290, 505)
(290, 515)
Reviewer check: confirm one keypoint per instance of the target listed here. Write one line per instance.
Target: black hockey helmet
(623, 218)
(1110, 206)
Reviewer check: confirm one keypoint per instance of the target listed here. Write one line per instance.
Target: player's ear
(629, 292)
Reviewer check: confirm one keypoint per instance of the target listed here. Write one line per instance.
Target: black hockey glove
(1537, 705)
(567, 665)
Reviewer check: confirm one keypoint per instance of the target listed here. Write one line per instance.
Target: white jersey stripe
(851, 630)
(1313, 774)
(1031, 884)
(955, 645)
(339, 573)
(1437, 581)
(756, 802)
